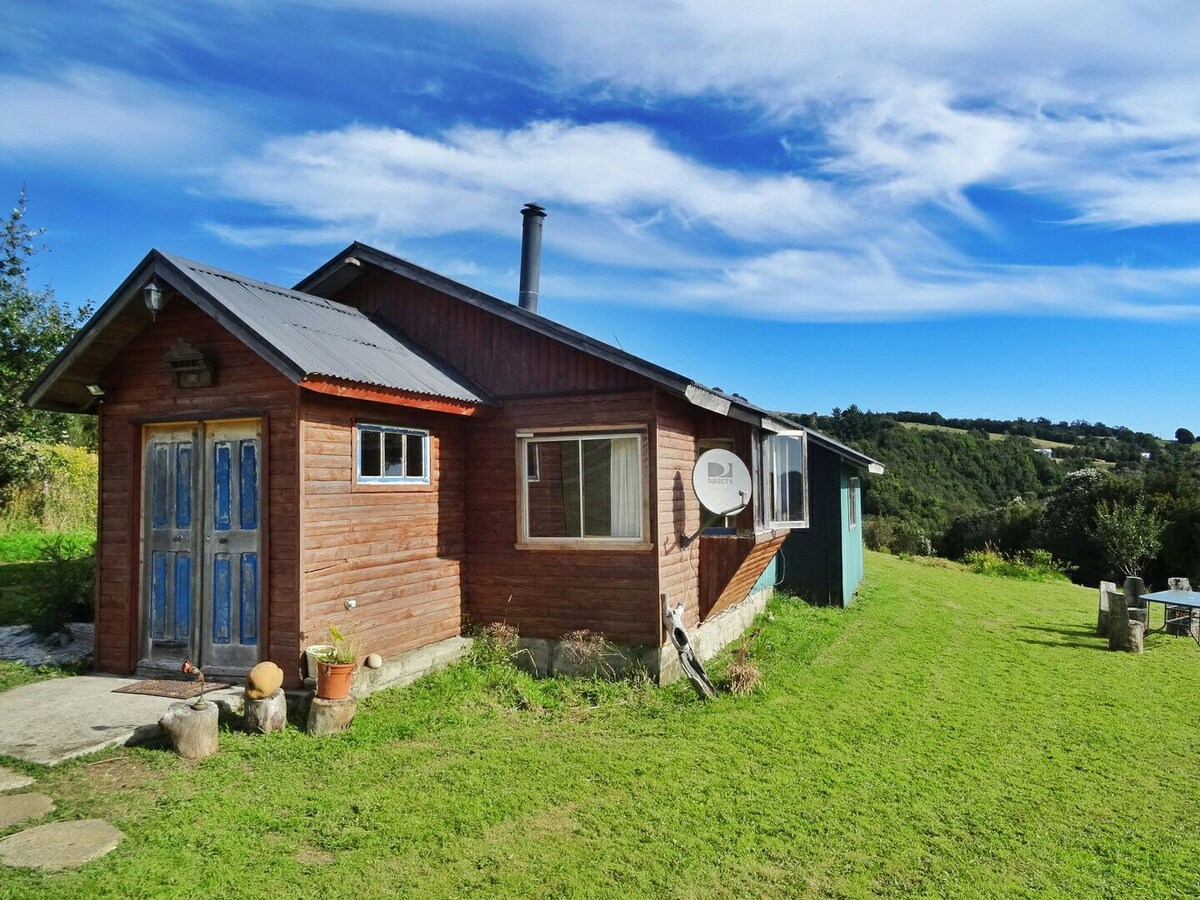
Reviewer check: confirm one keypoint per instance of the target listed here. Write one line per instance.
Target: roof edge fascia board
(87, 333)
(339, 387)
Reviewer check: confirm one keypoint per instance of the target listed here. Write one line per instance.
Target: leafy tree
(1068, 523)
(33, 328)
(1130, 533)
(1184, 436)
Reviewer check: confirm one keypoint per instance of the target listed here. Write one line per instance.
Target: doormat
(167, 687)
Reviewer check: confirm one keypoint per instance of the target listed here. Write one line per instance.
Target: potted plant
(335, 665)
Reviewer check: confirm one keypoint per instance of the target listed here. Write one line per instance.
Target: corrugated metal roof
(323, 337)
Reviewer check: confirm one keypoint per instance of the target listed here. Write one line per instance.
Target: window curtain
(625, 482)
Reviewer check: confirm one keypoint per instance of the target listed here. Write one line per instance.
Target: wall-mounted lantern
(153, 296)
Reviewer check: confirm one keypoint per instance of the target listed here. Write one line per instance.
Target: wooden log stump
(331, 716)
(193, 732)
(1102, 609)
(268, 714)
(1118, 622)
(1134, 588)
(1137, 636)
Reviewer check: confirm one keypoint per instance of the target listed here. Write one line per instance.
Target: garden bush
(1033, 565)
(63, 584)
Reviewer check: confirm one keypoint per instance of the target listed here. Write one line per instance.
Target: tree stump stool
(193, 732)
(1118, 622)
(1107, 588)
(1137, 636)
(331, 716)
(268, 714)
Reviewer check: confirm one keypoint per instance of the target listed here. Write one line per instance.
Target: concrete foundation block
(535, 656)
(405, 668)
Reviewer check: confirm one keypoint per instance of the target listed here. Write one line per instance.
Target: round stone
(374, 661)
(263, 681)
(59, 845)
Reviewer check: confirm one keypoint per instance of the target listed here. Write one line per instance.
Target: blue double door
(202, 512)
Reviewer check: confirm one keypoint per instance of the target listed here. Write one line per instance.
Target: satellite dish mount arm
(686, 539)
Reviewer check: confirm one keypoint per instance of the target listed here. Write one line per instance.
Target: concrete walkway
(56, 720)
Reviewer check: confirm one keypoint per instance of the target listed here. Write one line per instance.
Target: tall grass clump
(49, 488)
(1033, 565)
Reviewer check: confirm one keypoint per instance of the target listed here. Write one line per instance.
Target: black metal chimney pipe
(531, 256)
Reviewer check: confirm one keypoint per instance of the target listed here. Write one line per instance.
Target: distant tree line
(950, 492)
(1088, 440)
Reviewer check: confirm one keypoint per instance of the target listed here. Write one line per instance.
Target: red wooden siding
(397, 550)
(729, 567)
(547, 593)
(139, 390)
(678, 508)
(503, 358)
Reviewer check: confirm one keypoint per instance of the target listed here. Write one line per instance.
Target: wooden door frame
(137, 427)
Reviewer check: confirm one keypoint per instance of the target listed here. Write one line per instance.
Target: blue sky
(983, 211)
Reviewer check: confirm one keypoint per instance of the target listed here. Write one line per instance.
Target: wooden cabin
(392, 452)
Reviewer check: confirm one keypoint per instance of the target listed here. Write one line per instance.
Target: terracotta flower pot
(333, 680)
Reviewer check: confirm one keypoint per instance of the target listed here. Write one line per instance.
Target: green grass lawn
(953, 735)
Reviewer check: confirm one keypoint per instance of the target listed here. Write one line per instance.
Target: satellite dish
(722, 482)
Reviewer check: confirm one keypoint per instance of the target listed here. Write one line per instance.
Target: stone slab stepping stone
(16, 808)
(59, 845)
(12, 781)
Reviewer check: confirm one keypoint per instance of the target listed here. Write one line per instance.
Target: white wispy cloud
(105, 116)
(633, 189)
(867, 285)
(1080, 101)
(887, 115)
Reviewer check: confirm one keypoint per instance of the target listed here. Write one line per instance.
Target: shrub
(495, 644)
(1130, 533)
(64, 583)
(1034, 565)
(1007, 528)
(744, 673)
(900, 536)
(587, 652)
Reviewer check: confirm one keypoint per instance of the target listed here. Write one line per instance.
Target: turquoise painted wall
(768, 576)
(852, 544)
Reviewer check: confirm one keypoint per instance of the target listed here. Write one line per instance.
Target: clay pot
(333, 680)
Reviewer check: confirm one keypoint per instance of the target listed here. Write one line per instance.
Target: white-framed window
(391, 455)
(852, 503)
(785, 479)
(589, 487)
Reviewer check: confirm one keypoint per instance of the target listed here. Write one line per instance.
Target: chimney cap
(532, 209)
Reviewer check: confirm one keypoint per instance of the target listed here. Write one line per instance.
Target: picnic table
(1190, 600)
